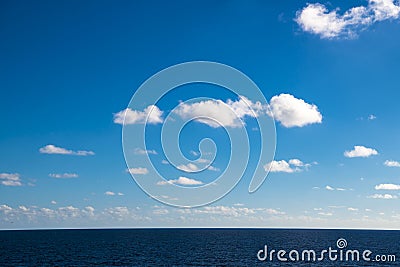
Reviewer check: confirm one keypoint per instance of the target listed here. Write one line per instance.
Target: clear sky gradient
(67, 67)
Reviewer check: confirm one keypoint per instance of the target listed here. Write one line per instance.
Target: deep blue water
(185, 247)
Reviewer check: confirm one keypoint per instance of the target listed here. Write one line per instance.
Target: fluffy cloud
(52, 149)
(10, 179)
(383, 196)
(293, 112)
(111, 193)
(181, 181)
(387, 187)
(138, 170)
(63, 175)
(294, 165)
(152, 115)
(317, 19)
(392, 163)
(360, 152)
(229, 114)
(329, 188)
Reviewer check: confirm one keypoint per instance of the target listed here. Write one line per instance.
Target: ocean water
(186, 247)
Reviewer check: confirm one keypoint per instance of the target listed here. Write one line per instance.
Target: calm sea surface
(186, 247)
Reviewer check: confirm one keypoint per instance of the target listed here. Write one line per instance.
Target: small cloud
(316, 188)
(383, 196)
(181, 181)
(371, 117)
(63, 175)
(352, 209)
(52, 149)
(109, 193)
(293, 112)
(139, 151)
(360, 152)
(53, 202)
(120, 194)
(190, 167)
(294, 165)
(10, 179)
(238, 204)
(325, 213)
(329, 188)
(151, 115)
(387, 187)
(392, 163)
(138, 170)
(212, 168)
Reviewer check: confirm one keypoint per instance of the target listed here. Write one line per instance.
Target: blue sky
(67, 68)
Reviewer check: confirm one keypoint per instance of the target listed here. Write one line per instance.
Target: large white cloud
(52, 149)
(387, 187)
(293, 112)
(229, 114)
(10, 179)
(360, 152)
(317, 19)
(152, 114)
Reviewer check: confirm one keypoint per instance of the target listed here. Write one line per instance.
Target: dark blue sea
(191, 247)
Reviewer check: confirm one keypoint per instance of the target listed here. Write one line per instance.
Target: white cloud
(109, 193)
(212, 168)
(152, 114)
(139, 170)
(317, 19)
(294, 165)
(53, 202)
(52, 149)
(190, 167)
(392, 163)
(383, 196)
(120, 194)
(165, 162)
(329, 188)
(181, 181)
(139, 151)
(10, 179)
(278, 166)
(387, 187)
(352, 209)
(293, 112)
(325, 213)
(63, 175)
(371, 117)
(229, 114)
(360, 152)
